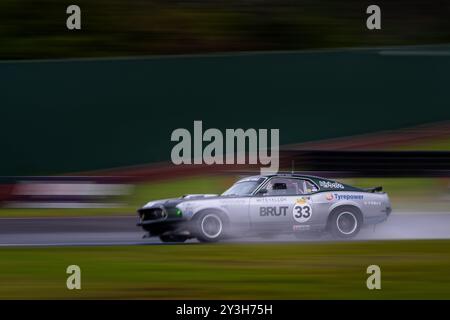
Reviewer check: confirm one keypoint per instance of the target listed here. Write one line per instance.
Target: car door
(271, 207)
(281, 203)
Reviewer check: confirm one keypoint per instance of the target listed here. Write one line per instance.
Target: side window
(309, 187)
(289, 186)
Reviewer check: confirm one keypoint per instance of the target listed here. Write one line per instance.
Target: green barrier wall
(82, 115)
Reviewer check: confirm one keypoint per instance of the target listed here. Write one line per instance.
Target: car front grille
(152, 214)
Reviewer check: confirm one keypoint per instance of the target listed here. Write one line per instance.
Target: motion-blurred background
(105, 124)
(91, 137)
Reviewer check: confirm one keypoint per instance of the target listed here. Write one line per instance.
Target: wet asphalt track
(87, 231)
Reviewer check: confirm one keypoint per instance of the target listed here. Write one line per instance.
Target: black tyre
(209, 227)
(345, 222)
(172, 238)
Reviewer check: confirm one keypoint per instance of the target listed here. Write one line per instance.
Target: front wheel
(209, 227)
(345, 223)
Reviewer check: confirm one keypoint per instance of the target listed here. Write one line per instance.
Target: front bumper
(156, 228)
(159, 222)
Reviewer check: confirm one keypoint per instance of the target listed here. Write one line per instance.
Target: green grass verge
(437, 144)
(410, 270)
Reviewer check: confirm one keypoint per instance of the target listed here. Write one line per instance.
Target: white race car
(267, 205)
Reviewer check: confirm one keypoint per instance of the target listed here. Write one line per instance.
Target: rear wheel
(209, 227)
(172, 238)
(345, 222)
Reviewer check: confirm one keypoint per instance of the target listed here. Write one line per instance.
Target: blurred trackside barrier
(71, 116)
(109, 191)
(330, 163)
(63, 192)
(370, 163)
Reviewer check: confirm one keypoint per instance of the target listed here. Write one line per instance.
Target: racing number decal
(302, 211)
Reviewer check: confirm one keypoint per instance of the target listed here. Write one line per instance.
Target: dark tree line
(37, 29)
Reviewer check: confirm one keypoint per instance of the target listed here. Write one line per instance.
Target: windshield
(242, 188)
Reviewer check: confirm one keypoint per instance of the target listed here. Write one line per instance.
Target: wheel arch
(339, 206)
(218, 211)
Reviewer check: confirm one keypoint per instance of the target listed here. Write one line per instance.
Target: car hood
(174, 201)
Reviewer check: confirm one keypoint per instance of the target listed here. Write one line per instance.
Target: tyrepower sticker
(340, 196)
(348, 196)
(302, 211)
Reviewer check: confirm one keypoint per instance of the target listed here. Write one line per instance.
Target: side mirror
(262, 192)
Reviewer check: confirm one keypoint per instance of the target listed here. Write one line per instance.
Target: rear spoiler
(375, 189)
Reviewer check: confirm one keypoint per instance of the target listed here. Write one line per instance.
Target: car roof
(289, 175)
(319, 181)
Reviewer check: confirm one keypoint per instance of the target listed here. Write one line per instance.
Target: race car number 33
(302, 211)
